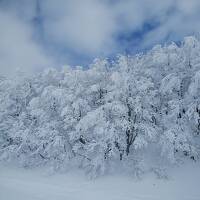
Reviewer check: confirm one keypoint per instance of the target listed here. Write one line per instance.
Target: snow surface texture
(21, 184)
(136, 114)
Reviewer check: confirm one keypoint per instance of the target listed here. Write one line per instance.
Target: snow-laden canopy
(139, 112)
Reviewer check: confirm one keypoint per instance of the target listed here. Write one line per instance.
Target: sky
(36, 34)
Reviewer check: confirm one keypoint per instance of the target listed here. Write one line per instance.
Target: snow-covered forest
(137, 113)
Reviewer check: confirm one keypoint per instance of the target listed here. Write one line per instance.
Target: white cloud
(17, 47)
(83, 25)
(183, 21)
(188, 7)
(86, 27)
(89, 26)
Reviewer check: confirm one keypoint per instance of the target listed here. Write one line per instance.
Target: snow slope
(22, 184)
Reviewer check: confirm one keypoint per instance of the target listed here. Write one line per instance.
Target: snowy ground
(21, 184)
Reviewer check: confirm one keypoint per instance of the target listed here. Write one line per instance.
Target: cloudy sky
(35, 34)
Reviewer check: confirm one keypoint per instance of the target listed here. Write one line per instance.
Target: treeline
(139, 112)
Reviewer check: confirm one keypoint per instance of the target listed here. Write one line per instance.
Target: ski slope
(26, 184)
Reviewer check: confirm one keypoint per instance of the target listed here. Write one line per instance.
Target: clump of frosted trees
(136, 113)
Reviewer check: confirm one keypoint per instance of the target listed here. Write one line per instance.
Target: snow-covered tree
(137, 110)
